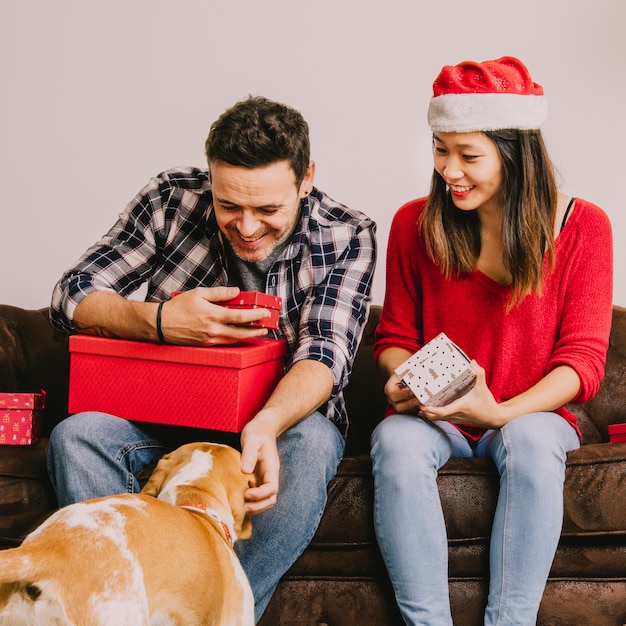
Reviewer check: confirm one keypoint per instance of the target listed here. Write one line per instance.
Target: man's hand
(192, 318)
(259, 455)
(303, 389)
(195, 318)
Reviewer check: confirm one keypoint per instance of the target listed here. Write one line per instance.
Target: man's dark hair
(256, 132)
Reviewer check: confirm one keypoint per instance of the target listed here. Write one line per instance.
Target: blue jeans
(95, 454)
(529, 453)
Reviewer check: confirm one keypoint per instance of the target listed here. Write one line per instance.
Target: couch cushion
(594, 521)
(26, 494)
(595, 484)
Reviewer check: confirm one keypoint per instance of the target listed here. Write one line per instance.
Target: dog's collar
(213, 515)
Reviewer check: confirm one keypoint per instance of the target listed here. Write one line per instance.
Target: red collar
(207, 511)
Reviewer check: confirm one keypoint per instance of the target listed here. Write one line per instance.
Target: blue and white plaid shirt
(168, 238)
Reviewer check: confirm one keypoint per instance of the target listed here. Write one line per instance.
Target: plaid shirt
(168, 238)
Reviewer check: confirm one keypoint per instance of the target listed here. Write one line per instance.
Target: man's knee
(312, 446)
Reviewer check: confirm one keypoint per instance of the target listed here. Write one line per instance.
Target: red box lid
(245, 353)
(254, 298)
(249, 300)
(22, 400)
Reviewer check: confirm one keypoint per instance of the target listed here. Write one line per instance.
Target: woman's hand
(477, 407)
(400, 397)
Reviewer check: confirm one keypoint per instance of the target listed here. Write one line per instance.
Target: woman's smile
(460, 191)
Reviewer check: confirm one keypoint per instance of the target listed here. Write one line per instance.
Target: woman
(519, 276)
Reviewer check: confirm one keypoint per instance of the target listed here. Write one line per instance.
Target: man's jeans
(529, 453)
(95, 454)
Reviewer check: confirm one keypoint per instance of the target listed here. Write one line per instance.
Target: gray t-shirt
(251, 276)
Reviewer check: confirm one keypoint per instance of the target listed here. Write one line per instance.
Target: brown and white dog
(136, 559)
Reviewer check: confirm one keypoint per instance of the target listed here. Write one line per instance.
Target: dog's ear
(156, 481)
(245, 532)
(236, 497)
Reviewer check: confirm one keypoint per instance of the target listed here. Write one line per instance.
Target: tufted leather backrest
(366, 401)
(34, 356)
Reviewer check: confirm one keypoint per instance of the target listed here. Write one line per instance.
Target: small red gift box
(617, 433)
(216, 387)
(258, 300)
(20, 418)
(254, 300)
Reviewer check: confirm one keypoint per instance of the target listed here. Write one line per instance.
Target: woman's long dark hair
(528, 199)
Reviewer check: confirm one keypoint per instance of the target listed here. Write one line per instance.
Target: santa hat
(492, 95)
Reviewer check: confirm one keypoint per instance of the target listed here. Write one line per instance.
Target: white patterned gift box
(437, 373)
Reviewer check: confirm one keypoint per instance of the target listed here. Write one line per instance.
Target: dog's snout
(32, 591)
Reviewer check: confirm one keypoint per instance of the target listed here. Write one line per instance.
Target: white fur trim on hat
(470, 112)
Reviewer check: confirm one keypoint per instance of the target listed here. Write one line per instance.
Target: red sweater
(568, 324)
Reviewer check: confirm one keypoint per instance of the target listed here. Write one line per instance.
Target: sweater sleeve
(587, 293)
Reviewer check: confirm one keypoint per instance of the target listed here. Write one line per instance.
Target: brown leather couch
(340, 579)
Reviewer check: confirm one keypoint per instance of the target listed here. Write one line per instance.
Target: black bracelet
(158, 323)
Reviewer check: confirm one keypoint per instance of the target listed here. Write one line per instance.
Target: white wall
(99, 96)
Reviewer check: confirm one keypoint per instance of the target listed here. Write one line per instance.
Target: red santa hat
(492, 95)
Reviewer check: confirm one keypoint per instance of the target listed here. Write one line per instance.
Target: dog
(162, 557)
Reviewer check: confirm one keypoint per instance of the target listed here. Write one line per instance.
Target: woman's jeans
(95, 454)
(529, 453)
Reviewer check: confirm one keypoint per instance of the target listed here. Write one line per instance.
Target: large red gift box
(20, 418)
(213, 387)
(617, 433)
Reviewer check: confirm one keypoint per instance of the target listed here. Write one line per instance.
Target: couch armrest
(609, 405)
(34, 356)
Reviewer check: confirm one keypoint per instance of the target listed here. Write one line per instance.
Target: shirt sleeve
(333, 318)
(120, 262)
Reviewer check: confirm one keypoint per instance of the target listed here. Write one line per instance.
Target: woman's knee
(406, 445)
(539, 434)
(537, 443)
(393, 433)
(398, 432)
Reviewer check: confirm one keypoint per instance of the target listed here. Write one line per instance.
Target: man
(252, 221)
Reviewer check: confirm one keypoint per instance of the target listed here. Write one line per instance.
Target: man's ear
(307, 182)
